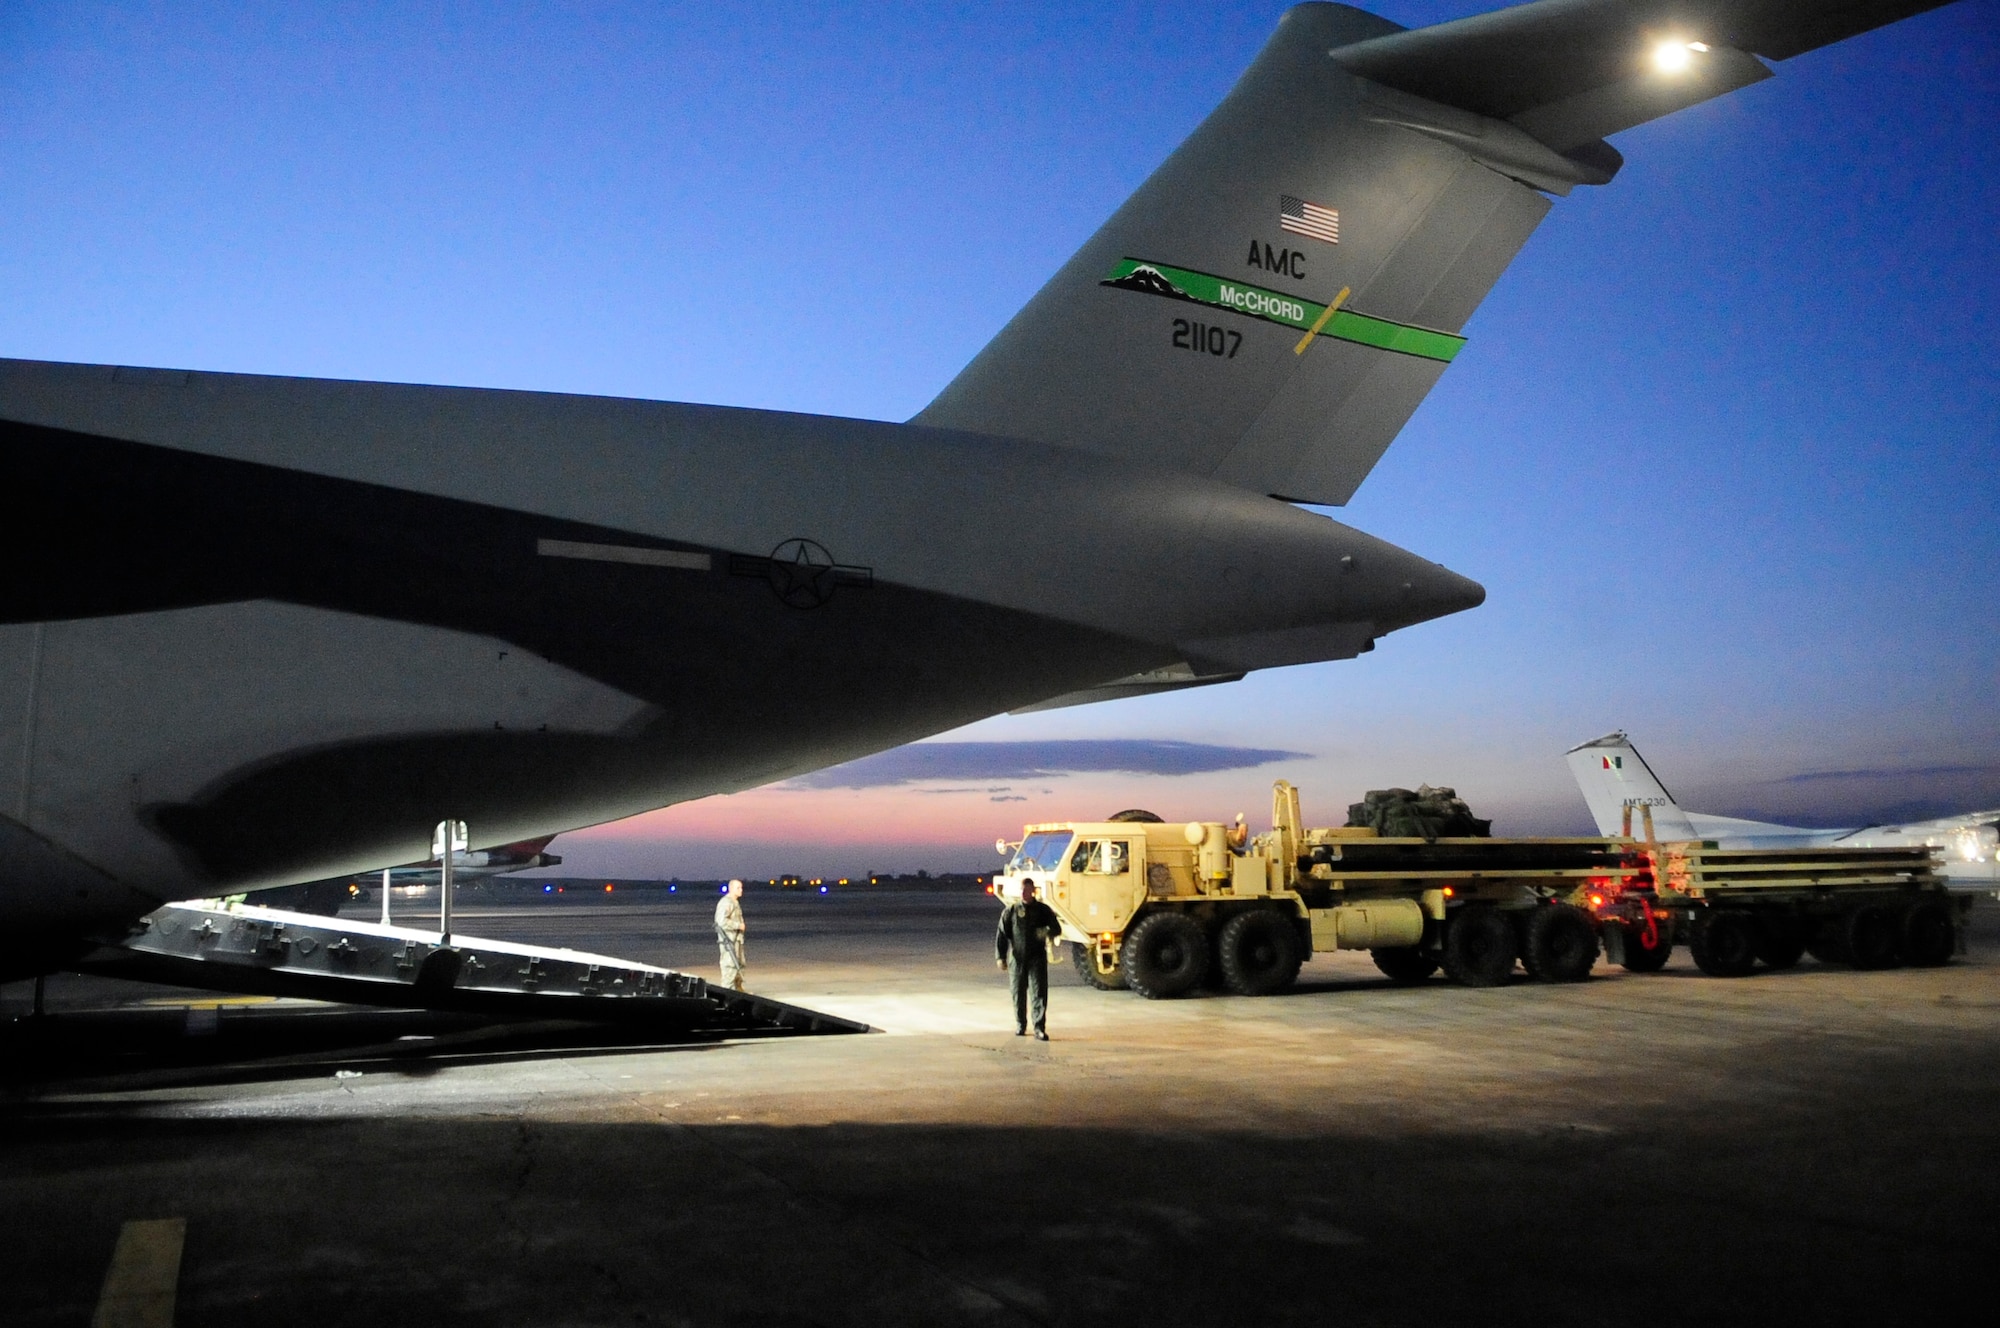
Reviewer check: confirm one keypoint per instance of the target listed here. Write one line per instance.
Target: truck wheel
(1403, 963)
(1930, 934)
(1781, 939)
(1724, 942)
(1479, 947)
(1165, 955)
(1561, 944)
(1260, 952)
(1873, 937)
(1085, 959)
(1639, 959)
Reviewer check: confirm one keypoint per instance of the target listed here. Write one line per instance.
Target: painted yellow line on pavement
(144, 1275)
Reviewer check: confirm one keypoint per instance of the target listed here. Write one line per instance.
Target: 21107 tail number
(1205, 338)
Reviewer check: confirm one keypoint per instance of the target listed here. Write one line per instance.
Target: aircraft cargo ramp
(273, 952)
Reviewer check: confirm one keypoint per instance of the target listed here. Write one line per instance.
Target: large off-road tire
(1874, 937)
(1165, 955)
(1781, 939)
(1479, 947)
(1259, 951)
(1641, 959)
(1403, 964)
(1135, 815)
(1723, 942)
(1558, 944)
(1085, 959)
(1930, 934)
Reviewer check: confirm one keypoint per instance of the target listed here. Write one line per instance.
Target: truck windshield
(1043, 852)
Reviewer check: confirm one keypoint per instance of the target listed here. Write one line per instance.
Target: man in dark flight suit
(1020, 948)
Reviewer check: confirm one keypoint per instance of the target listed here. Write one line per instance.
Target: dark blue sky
(1722, 447)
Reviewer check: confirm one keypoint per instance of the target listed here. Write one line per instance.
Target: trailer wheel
(1930, 934)
(1639, 959)
(1724, 942)
(1479, 947)
(1165, 955)
(1781, 939)
(1873, 937)
(1085, 958)
(1403, 963)
(1260, 952)
(1560, 944)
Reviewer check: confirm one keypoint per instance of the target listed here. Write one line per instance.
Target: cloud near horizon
(1912, 772)
(1037, 759)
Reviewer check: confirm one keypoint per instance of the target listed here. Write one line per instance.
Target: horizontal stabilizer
(1570, 72)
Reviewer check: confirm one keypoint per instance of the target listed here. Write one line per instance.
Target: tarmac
(1812, 1145)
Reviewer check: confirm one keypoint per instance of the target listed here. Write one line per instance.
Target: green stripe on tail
(1177, 283)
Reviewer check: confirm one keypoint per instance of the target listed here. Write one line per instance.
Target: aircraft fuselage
(347, 611)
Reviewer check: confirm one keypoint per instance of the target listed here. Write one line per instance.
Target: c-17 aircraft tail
(1277, 299)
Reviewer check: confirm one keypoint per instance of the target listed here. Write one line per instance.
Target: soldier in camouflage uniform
(729, 935)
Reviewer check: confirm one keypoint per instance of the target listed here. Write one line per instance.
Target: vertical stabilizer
(1279, 296)
(1613, 776)
(1195, 329)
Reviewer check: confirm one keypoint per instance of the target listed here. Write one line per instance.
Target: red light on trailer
(1597, 901)
(1449, 892)
(607, 887)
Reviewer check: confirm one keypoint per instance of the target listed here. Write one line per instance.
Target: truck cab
(1094, 874)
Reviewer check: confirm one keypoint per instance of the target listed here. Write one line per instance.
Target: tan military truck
(1164, 908)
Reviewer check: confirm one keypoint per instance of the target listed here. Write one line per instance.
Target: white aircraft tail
(1623, 793)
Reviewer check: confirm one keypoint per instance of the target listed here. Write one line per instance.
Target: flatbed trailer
(1737, 909)
(1164, 909)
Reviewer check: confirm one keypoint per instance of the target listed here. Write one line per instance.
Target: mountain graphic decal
(1148, 279)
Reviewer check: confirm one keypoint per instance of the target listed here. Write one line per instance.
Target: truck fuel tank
(1377, 924)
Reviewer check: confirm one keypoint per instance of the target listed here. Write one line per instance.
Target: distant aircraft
(472, 865)
(326, 897)
(1616, 781)
(256, 631)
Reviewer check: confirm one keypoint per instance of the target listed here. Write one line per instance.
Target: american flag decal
(1303, 218)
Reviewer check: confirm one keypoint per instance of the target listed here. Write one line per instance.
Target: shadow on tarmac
(135, 1049)
(688, 1220)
